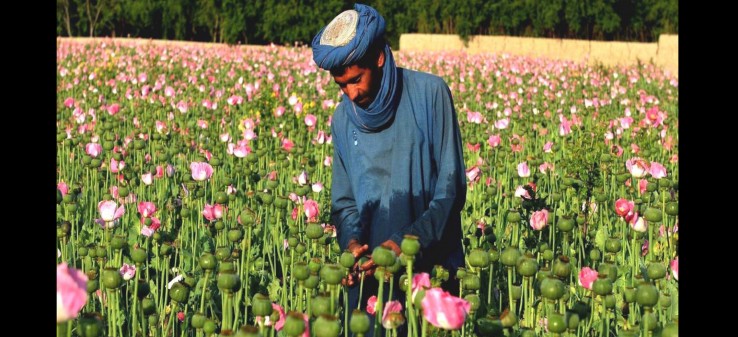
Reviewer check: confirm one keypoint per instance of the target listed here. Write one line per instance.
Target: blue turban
(343, 42)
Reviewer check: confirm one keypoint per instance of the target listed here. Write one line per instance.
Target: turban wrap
(343, 42)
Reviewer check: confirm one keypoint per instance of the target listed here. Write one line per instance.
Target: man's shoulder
(420, 78)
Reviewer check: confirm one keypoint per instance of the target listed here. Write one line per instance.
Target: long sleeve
(449, 194)
(344, 213)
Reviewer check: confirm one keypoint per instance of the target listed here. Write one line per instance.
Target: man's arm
(450, 190)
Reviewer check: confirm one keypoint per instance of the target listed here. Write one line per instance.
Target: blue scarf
(369, 28)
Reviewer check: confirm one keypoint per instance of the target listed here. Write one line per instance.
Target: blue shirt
(407, 178)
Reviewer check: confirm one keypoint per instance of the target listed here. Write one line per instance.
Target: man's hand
(357, 249)
(369, 266)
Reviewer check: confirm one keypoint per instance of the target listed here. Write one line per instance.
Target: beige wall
(663, 54)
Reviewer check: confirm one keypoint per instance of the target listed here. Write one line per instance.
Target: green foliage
(297, 21)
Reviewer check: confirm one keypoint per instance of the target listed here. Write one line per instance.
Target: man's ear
(380, 59)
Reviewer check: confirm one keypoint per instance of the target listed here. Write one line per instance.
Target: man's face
(361, 84)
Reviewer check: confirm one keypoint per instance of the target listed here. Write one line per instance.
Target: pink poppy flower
(201, 171)
(474, 117)
(328, 161)
(317, 187)
(421, 281)
(642, 185)
(93, 149)
(545, 167)
(241, 149)
(311, 120)
(109, 210)
(116, 166)
(127, 271)
(657, 170)
(521, 192)
(311, 210)
(473, 147)
(674, 266)
(587, 276)
(113, 109)
(523, 170)
(564, 126)
(147, 178)
(302, 179)
(637, 223)
(63, 188)
(146, 208)
(159, 172)
(443, 310)
(371, 303)
(69, 102)
(181, 316)
(287, 144)
(547, 147)
(320, 138)
(390, 317)
(71, 292)
(279, 111)
(473, 174)
(637, 167)
(494, 140)
(502, 123)
(213, 212)
(539, 219)
(623, 207)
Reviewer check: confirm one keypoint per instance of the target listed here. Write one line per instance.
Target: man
(397, 164)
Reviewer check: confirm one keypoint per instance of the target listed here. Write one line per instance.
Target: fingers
(368, 265)
(361, 250)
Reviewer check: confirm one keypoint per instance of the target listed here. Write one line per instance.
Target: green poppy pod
(672, 208)
(479, 258)
(235, 235)
(612, 245)
(179, 292)
(656, 270)
(472, 282)
(111, 278)
(552, 288)
(359, 322)
(652, 215)
(513, 215)
(262, 305)
(247, 331)
(294, 324)
(90, 324)
(314, 231)
(347, 259)
(509, 256)
(556, 323)
(320, 305)
(527, 266)
(326, 326)
(332, 274)
(647, 295)
(565, 223)
(383, 257)
(602, 285)
(410, 245)
(473, 300)
(562, 267)
(228, 281)
(301, 271)
(312, 281)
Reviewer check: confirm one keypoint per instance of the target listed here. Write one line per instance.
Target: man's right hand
(357, 248)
